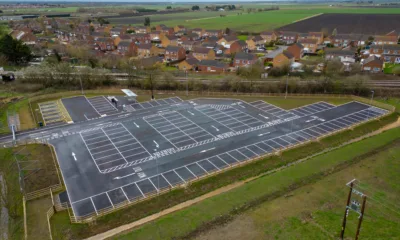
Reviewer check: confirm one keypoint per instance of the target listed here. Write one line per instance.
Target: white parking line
(166, 179)
(179, 176)
(125, 195)
(95, 209)
(140, 190)
(212, 163)
(115, 146)
(201, 167)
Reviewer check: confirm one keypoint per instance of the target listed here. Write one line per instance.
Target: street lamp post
(187, 84)
(287, 82)
(80, 80)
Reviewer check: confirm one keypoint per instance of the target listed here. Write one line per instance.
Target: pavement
(126, 156)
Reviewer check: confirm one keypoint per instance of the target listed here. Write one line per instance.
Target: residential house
(386, 40)
(316, 35)
(244, 59)
(146, 50)
(142, 29)
(212, 66)
(345, 40)
(346, 56)
(372, 64)
(391, 53)
(169, 40)
(127, 48)
(188, 64)
(198, 31)
(238, 46)
(116, 31)
(226, 41)
(215, 33)
(288, 37)
(167, 30)
(283, 59)
(255, 42)
(160, 26)
(190, 37)
(179, 28)
(142, 38)
(190, 45)
(155, 36)
(297, 50)
(116, 40)
(269, 36)
(174, 53)
(104, 44)
(310, 45)
(203, 53)
(27, 37)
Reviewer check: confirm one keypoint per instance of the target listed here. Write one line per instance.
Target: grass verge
(45, 175)
(62, 228)
(222, 208)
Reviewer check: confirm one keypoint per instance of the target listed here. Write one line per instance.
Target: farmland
(372, 24)
(255, 22)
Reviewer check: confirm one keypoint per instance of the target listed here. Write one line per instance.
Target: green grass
(183, 222)
(242, 37)
(60, 225)
(388, 67)
(261, 21)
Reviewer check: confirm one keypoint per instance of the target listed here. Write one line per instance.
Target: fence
(25, 224)
(49, 214)
(43, 192)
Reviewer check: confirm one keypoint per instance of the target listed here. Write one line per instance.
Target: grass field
(295, 222)
(257, 22)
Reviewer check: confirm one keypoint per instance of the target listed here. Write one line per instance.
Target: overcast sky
(132, 1)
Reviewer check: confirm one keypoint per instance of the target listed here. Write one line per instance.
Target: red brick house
(372, 64)
(297, 50)
(238, 46)
(141, 38)
(203, 53)
(244, 59)
(282, 59)
(174, 53)
(212, 66)
(104, 44)
(310, 45)
(215, 33)
(190, 45)
(288, 37)
(127, 48)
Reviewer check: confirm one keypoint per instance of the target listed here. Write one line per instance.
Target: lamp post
(187, 84)
(287, 82)
(80, 80)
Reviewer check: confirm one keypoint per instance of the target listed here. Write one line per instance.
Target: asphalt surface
(80, 109)
(166, 143)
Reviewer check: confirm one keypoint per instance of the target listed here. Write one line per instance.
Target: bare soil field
(369, 24)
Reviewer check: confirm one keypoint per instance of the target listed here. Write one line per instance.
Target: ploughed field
(369, 24)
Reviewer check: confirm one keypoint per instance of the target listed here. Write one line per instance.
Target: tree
(196, 8)
(147, 21)
(168, 7)
(321, 53)
(334, 32)
(15, 50)
(227, 31)
(102, 21)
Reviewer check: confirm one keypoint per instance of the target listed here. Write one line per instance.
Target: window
(376, 69)
(397, 60)
(386, 51)
(209, 69)
(387, 59)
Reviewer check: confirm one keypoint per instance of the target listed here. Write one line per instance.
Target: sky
(132, 1)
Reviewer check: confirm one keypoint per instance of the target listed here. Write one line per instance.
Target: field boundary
(316, 15)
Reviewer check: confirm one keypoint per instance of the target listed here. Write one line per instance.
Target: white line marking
(136, 125)
(74, 156)
(120, 177)
(110, 200)
(216, 129)
(125, 194)
(157, 146)
(94, 206)
(166, 180)
(154, 185)
(262, 134)
(179, 176)
(206, 150)
(191, 113)
(140, 190)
